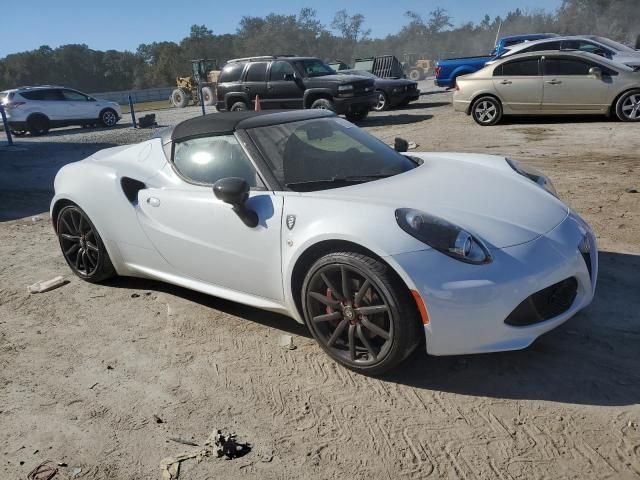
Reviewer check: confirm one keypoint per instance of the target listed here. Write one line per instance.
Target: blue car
(448, 70)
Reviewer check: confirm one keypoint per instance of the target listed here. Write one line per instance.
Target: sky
(125, 24)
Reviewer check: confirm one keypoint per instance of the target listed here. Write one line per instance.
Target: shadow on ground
(553, 119)
(392, 118)
(592, 359)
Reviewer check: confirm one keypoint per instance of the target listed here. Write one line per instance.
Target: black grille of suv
(545, 304)
(363, 87)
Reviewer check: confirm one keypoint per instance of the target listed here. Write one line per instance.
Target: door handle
(153, 201)
(553, 82)
(506, 82)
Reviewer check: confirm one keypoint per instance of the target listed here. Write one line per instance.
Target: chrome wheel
(109, 118)
(78, 241)
(631, 107)
(349, 315)
(382, 102)
(485, 112)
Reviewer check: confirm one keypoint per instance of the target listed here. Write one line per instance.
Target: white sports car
(305, 214)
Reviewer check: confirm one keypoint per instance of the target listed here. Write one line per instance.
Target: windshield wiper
(346, 178)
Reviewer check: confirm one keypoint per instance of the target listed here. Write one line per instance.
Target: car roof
(517, 48)
(227, 122)
(537, 36)
(268, 58)
(562, 53)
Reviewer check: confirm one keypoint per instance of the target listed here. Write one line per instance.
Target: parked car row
(582, 75)
(38, 109)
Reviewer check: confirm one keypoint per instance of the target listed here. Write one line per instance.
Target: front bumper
(468, 304)
(345, 104)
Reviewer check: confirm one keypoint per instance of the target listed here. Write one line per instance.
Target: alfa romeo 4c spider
(305, 214)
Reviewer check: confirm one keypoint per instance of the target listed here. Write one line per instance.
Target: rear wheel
(628, 106)
(415, 74)
(207, 96)
(486, 111)
(82, 246)
(323, 104)
(38, 125)
(359, 312)
(179, 98)
(238, 107)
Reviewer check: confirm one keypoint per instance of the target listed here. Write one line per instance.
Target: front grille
(545, 304)
(364, 87)
(412, 87)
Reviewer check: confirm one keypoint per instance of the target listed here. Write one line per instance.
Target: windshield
(362, 73)
(615, 45)
(315, 68)
(326, 153)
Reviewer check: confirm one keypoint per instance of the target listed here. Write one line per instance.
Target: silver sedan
(549, 83)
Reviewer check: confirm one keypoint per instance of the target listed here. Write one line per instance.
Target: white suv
(37, 109)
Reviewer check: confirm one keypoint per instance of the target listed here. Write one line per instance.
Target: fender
(235, 96)
(321, 92)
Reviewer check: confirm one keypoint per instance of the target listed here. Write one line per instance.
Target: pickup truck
(448, 70)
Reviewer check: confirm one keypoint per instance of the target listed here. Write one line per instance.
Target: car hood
(628, 58)
(480, 193)
(337, 78)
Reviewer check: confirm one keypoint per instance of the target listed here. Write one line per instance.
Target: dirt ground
(84, 368)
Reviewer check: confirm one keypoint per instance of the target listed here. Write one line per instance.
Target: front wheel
(359, 312)
(108, 118)
(628, 106)
(486, 111)
(82, 246)
(208, 96)
(179, 98)
(323, 104)
(383, 102)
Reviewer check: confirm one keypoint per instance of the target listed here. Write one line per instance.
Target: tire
(108, 118)
(82, 246)
(238, 107)
(383, 102)
(347, 324)
(179, 98)
(357, 115)
(323, 104)
(38, 125)
(415, 74)
(208, 97)
(486, 111)
(628, 106)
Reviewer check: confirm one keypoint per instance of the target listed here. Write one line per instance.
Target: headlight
(534, 175)
(345, 88)
(443, 236)
(398, 89)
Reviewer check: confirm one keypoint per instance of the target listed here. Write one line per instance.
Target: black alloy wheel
(358, 313)
(82, 246)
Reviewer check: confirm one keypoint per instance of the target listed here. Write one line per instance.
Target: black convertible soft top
(227, 122)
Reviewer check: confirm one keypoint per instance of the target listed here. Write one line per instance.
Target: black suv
(293, 82)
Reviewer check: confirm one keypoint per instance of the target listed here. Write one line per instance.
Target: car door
(255, 82)
(48, 101)
(201, 236)
(569, 87)
(519, 84)
(284, 90)
(78, 106)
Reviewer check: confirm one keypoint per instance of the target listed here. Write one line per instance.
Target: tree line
(432, 36)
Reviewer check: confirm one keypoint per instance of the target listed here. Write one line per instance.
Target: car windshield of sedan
(615, 45)
(326, 153)
(315, 68)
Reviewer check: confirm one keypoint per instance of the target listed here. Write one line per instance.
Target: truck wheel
(357, 115)
(383, 102)
(179, 98)
(207, 96)
(323, 104)
(486, 111)
(238, 107)
(415, 74)
(38, 125)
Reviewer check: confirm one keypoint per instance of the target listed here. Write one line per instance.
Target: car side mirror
(595, 72)
(91, 99)
(290, 77)
(400, 145)
(235, 192)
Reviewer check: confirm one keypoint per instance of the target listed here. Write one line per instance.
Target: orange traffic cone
(258, 108)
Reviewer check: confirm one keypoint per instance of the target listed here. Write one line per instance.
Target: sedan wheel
(382, 104)
(486, 111)
(628, 107)
(82, 247)
(109, 118)
(359, 314)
